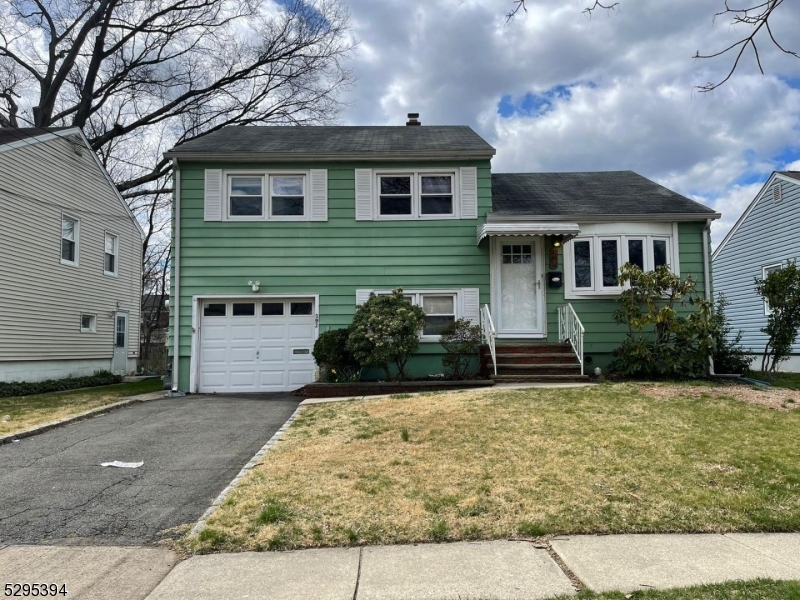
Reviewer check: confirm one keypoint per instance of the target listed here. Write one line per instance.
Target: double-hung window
(416, 195)
(70, 237)
(111, 255)
(593, 262)
(441, 309)
(266, 196)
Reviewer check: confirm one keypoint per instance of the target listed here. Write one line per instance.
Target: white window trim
(93, 327)
(115, 272)
(417, 293)
(778, 266)
(416, 194)
(77, 261)
(266, 194)
(598, 289)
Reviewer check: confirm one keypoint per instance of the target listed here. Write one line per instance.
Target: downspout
(176, 261)
(707, 281)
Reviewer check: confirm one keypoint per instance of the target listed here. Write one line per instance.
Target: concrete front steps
(532, 362)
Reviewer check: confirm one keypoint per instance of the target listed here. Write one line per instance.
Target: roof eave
(590, 218)
(331, 157)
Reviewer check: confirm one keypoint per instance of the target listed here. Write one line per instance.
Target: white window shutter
(363, 194)
(319, 194)
(212, 207)
(362, 296)
(469, 192)
(471, 304)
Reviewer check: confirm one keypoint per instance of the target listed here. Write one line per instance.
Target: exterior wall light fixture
(256, 285)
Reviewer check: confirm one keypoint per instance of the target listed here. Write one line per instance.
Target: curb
(201, 523)
(14, 437)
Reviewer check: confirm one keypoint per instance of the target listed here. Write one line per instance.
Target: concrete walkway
(492, 570)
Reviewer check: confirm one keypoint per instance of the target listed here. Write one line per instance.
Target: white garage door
(256, 345)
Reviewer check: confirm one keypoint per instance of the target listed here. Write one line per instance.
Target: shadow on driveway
(53, 489)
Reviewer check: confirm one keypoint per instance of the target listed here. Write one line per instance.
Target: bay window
(592, 262)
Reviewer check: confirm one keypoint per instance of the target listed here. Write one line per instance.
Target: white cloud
(632, 102)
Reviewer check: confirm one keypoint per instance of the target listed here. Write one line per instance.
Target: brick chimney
(413, 119)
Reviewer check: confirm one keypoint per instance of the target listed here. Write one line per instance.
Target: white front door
(518, 299)
(119, 364)
(259, 345)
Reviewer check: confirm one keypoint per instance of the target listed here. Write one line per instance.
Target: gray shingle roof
(598, 193)
(792, 174)
(335, 140)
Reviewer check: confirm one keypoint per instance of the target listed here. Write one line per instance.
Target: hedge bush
(23, 388)
(336, 362)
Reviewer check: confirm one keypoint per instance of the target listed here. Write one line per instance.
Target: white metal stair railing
(489, 333)
(570, 329)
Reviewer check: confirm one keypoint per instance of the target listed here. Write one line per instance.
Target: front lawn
(761, 589)
(783, 380)
(618, 458)
(29, 411)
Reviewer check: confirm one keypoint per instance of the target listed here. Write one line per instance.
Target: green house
(280, 232)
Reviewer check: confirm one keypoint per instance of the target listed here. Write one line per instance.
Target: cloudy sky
(557, 91)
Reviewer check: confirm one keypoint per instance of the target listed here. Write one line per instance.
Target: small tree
(660, 341)
(781, 291)
(461, 341)
(729, 355)
(386, 330)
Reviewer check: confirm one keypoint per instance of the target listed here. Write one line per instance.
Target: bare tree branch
(754, 14)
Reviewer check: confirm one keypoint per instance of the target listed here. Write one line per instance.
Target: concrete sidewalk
(497, 570)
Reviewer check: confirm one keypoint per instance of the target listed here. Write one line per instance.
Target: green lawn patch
(25, 412)
(760, 589)
(614, 458)
(789, 381)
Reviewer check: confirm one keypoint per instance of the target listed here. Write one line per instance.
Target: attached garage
(256, 345)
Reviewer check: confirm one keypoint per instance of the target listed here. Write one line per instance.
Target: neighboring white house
(70, 260)
(765, 237)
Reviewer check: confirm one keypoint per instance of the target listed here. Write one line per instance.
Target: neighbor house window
(265, 196)
(88, 323)
(111, 254)
(415, 195)
(70, 232)
(765, 272)
(592, 263)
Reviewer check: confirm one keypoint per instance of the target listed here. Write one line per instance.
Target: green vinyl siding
(603, 335)
(333, 258)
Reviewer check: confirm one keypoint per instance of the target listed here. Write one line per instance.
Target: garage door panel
(301, 331)
(268, 353)
(243, 355)
(300, 378)
(213, 356)
(274, 332)
(213, 379)
(272, 378)
(243, 380)
(243, 332)
(214, 333)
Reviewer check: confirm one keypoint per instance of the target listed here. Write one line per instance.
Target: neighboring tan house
(70, 249)
(765, 237)
(280, 232)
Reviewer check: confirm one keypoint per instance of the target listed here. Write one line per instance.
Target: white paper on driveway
(122, 465)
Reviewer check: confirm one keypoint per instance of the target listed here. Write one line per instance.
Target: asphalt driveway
(53, 489)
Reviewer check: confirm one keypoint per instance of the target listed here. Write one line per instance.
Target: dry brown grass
(19, 413)
(517, 463)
